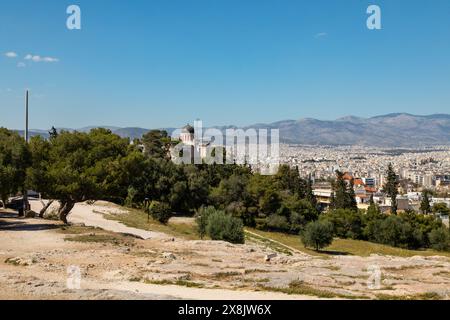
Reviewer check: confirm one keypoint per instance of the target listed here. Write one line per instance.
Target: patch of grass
(135, 279)
(114, 239)
(138, 219)
(253, 280)
(199, 264)
(74, 229)
(388, 288)
(20, 262)
(225, 275)
(268, 243)
(12, 261)
(346, 283)
(362, 277)
(422, 296)
(442, 274)
(300, 288)
(332, 268)
(365, 249)
(347, 247)
(248, 271)
(404, 268)
(288, 240)
(183, 283)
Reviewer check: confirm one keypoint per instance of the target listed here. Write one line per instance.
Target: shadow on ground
(335, 253)
(11, 222)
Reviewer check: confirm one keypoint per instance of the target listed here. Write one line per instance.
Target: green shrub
(393, 231)
(201, 218)
(396, 231)
(160, 211)
(317, 235)
(129, 200)
(276, 222)
(440, 239)
(219, 225)
(234, 230)
(346, 223)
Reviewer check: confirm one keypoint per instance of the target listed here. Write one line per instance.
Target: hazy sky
(161, 63)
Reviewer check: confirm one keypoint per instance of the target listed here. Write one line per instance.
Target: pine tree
(344, 196)
(340, 191)
(425, 206)
(351, 197)
(391, 188)
(310, 194)
(332, 205)
(373, 209)
(53, 133)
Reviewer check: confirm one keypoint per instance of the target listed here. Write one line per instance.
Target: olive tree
(317, 235)
(14, 159)
(74, 167)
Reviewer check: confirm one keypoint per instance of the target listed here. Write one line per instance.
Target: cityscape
(418, 169)
(224, 159)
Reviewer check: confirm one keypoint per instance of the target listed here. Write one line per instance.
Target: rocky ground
(41, 259)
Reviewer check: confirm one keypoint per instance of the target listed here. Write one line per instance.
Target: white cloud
(50, 59)
(36, 58)
(321, 35)
(11, 54)
(21, 65)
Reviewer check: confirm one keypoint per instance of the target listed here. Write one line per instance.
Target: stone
(269, 257)
(169, 255)
(18, 261)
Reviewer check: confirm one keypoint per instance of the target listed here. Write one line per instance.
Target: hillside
(392, 130)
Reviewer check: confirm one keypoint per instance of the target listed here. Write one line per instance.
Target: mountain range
(391, 130)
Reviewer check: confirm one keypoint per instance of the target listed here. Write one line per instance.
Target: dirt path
(273, 241)
(93, 216)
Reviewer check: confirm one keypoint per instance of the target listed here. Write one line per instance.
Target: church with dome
(198, 146)
(187, 135)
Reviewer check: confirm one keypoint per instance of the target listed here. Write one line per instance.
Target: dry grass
(423, 296)
(347, 247)
(76, 229)
(225, 275)
(95, 235)
(183, 283)
(300, 288)
(139, 219)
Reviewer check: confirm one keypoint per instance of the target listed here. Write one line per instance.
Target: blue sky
(161, 63)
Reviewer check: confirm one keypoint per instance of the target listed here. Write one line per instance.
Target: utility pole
(26, 205)
(26, 117)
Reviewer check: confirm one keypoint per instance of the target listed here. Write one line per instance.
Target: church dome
(188, 129)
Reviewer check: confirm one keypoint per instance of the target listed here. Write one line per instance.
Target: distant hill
(391, 130)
